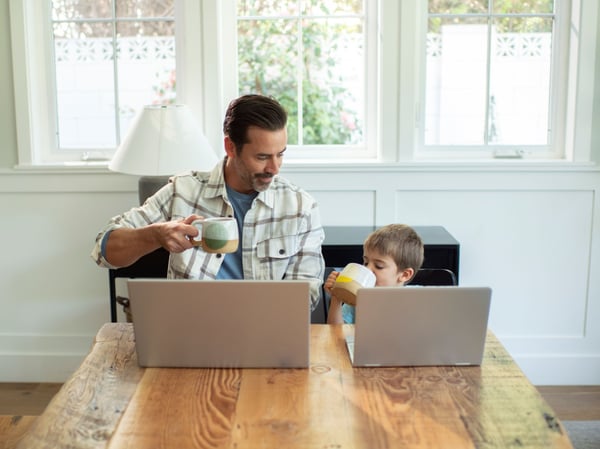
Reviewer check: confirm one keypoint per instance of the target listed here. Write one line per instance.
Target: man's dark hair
(252, 110)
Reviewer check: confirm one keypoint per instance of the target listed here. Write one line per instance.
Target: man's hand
(174, 236)
(125, 245)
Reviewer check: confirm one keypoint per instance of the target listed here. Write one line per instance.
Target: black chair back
(433, 276)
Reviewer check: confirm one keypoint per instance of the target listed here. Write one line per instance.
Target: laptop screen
(241, 323)
(416, 326)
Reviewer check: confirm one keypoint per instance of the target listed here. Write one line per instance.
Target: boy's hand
(330, 281)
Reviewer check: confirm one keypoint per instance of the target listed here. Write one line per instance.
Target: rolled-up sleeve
(156, 209)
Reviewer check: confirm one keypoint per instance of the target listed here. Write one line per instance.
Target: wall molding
(541, 369)
(550, 369)
(35, 358)
(311, 176)
(38, 367)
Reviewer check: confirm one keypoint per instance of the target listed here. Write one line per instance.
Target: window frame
(205, 84)
(570, 29)
(35, 95)
(556, 106)
(27, 30)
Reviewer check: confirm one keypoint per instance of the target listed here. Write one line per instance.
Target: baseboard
(41, 358)
(561, 369)
(38, 367)
(33, 359)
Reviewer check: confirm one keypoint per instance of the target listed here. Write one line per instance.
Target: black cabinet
(343, 244)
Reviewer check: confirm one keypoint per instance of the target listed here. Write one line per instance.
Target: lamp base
(149, 185)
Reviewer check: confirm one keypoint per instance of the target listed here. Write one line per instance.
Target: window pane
(94, 88)
(488, 75)
(145, 8)
(333, 100)
(456, 85)
(332, 7)
(323, 87)
(520, 81)
(247, 8)
(146, 67)
(523, 7)
(458, 6)
(267, 57)
(81, 9)
(85, 85)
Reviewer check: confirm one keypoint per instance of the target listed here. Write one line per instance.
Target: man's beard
(261, 186)
(252, 180)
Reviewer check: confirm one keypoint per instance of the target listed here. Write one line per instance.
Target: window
(314, 57)
(107, 60)
(489, 68)
(363, 80)
(110, 59)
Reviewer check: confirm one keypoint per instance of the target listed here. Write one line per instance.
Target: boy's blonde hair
(400, 242)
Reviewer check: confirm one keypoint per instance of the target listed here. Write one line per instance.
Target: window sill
(491, 165)
(86, 178)
(336, 166)
(63, 167)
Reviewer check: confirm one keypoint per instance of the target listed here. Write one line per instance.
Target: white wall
(529, 231)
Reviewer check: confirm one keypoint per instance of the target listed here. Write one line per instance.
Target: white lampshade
(163, 140)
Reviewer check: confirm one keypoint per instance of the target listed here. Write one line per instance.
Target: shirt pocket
(274, 255)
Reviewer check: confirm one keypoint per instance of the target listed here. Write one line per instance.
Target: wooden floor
(572, 403)
(26, 398)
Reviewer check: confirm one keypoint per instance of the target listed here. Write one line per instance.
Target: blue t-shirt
(232, 264)
(348, 313)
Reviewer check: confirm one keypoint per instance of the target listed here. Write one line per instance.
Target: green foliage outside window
(501, 7)
(269, 64)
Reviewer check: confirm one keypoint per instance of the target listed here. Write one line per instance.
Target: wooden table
(110, 402)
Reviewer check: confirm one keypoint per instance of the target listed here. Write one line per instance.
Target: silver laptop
(420, 326)
(238, 324)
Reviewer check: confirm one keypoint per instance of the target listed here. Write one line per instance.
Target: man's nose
(273, 166)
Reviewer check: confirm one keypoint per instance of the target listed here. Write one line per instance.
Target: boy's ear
(406, 275)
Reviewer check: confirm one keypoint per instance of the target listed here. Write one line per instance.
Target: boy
(394, 253)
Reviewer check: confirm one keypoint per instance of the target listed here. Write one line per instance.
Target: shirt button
(219, 255)
(282, 251)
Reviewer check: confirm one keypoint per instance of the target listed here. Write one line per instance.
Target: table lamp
(162, 141)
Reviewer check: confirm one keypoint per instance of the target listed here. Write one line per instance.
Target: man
(279, 224)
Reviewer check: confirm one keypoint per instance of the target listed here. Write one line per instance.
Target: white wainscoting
(529, 232)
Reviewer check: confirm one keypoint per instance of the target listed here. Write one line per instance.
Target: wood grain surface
(86, 410)
(111, 402)
(12, 429)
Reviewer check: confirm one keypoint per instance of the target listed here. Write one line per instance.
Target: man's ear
(229, 147)
(406, 275)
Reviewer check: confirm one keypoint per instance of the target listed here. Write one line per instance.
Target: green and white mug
(216, 234)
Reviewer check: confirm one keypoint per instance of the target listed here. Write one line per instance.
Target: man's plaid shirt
(281, 237)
